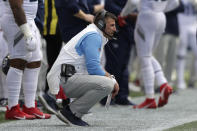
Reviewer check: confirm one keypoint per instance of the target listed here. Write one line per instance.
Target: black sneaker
(103, 102)
(49, 103)
(124, 102)
(68, 117)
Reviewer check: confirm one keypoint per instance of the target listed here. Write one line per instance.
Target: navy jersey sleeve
(71, 5)
(115, 6)
(92, 3)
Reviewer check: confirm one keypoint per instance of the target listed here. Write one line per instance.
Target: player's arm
(20, 18)
(75, 10)
(18, 12)
(130, 7)
(87, 17)
(98, 8)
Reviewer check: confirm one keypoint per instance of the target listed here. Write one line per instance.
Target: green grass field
(192, 126)
(2, 117)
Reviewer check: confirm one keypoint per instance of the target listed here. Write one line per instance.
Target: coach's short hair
(100, 17)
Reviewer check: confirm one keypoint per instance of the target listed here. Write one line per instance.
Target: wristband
(26, 30)
(112, 76)
(113, 79)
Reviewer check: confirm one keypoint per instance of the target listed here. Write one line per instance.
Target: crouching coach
(79, 72)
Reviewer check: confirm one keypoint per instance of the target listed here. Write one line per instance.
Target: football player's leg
(171, 57)
(30, 80)
(180, 64)
(17, 61)
(159, 75)
(144, 43)
(31, 72)
(193, 45)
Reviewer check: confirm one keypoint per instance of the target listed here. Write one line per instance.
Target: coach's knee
(108, 85)
(18, 63)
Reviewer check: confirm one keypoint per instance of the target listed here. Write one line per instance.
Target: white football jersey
(149, 5)
(30, 8)
(158, 5)
(1, 8)
(155, 5)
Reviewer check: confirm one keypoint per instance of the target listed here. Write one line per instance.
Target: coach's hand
(115, 91)
(29, 37)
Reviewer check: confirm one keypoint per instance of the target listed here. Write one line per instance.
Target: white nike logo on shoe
(148, 105)
(40, 116)
(20, 118)
(162, 92)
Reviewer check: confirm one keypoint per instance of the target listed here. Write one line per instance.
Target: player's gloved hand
(30, 43)
(29, 38)
(121, 21)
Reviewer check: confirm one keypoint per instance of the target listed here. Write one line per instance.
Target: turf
(2, 117)
(192, 126)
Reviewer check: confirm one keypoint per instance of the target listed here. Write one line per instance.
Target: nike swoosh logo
(162, 92)
(40, 116)
(20, 118)
(148, 105)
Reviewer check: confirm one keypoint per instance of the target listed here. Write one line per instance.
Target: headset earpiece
(101, 22)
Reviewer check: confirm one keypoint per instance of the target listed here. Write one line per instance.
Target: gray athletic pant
(87, 89)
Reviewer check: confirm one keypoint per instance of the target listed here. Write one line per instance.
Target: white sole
(46, 106)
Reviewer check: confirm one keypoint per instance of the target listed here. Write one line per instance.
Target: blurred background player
(167, 49)
(187, 26)
(25, 58)
(150, 25)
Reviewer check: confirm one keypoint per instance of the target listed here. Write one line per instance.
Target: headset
(101, 23)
